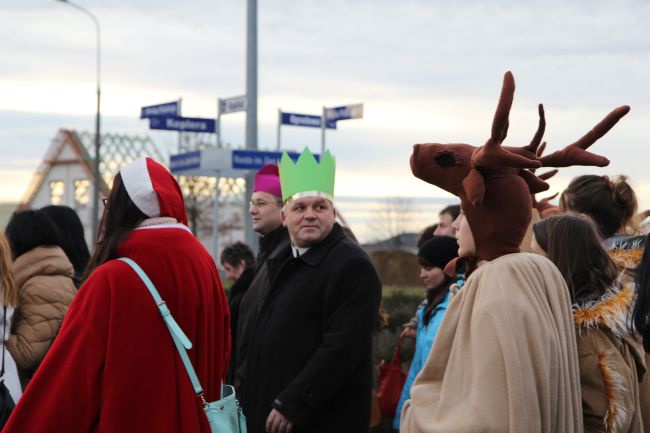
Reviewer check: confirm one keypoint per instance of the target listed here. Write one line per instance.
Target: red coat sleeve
(70, 375)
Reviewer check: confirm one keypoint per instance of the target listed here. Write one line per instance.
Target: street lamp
(95, 207)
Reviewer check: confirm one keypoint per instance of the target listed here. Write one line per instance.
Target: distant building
(65, 176)
(6, 210)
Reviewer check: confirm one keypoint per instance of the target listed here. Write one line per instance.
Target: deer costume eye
(445, 159)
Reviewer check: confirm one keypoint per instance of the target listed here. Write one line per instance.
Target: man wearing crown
(309, 356)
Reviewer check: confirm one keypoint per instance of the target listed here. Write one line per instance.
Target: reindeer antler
(537, 138)
(576, 153)
(492, 154)
(500, 122)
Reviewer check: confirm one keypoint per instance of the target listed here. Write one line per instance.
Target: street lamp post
(96, 174)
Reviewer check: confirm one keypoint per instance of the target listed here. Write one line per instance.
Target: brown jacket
(626, 251)
(504, 358)
(45, 289)
(611, 364)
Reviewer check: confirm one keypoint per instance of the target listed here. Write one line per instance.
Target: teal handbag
(225, 415)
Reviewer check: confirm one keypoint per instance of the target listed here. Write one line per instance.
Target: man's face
(233, 272)
(309, 220)
(265, 209)
(445, 227)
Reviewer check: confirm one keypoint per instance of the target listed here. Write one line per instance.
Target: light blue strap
(180, 339)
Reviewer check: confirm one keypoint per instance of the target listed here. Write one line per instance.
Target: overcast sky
(427, 71)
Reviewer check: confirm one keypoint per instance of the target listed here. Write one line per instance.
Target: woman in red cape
(113, 366)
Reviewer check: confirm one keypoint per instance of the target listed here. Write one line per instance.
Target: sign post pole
(219, 122)
(180, 133)
(279, 144)
(323, 127)
(215, 221)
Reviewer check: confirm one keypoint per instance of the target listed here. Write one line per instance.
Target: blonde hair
(7, 284)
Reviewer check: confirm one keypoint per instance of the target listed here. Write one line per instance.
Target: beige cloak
(505, 357)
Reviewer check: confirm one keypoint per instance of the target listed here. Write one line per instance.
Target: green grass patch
(388, 291)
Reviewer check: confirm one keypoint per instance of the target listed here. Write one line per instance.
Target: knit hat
(439, 250)
(494, 182)
(267, 179)
(153, 189)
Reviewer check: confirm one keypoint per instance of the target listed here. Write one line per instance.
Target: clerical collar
(297, 251)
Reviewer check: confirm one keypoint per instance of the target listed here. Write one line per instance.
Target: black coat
(310, 351)
(271, 245)
(237, 292)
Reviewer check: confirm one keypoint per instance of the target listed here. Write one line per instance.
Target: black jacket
(270, 245)
(310, 351)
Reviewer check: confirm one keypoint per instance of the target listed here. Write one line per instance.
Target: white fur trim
(139, 187)
(166, 226)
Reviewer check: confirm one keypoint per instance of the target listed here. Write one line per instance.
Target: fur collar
(609, 311)
(626, 258)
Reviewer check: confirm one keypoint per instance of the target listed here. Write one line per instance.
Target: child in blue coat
(433, 256)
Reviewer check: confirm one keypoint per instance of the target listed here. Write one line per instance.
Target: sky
(426, 71)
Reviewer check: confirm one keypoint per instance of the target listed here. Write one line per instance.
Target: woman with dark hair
(114, 366)
(73, 240)
(612, 205)
(433, 256)
(43, 276)
(611, 362)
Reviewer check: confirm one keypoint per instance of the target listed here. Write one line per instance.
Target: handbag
(6, 401)
(225, 415)
(391, 382)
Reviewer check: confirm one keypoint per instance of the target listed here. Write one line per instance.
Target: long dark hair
(433, 294)
(29, 229)
(611, 204)
(641, 309)
(121, 216)
(73, 238)
(572, 244)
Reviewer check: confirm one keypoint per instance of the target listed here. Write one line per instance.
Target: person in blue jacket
(433, 256)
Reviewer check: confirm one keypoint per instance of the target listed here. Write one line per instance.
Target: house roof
(116, 150)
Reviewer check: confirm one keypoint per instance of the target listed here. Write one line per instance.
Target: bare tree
(392, 219)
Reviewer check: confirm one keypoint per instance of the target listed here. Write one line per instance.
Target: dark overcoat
(310, 351)
(271, 245)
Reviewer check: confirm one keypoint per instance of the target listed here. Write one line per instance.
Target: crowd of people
(534, 317)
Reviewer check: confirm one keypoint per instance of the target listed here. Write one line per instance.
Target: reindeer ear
(474, 186)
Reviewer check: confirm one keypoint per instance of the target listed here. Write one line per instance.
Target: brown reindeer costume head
(494, 183)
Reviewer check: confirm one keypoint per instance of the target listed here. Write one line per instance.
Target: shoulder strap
(180, 339)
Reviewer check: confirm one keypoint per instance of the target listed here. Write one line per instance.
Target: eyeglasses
(258, 204)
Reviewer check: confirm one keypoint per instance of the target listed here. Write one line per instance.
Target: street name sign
(166, 109)
(177, 123)
(307, 120)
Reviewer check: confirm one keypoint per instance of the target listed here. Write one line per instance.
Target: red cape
(113, 366)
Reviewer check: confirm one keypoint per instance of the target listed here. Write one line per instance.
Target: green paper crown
(307, 175)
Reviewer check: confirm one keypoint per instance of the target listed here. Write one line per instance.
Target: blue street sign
(255, 159)
(346, 112)
(176, 123)
(185, 161)
(305, 120)
(166, 109)
(206, 162)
